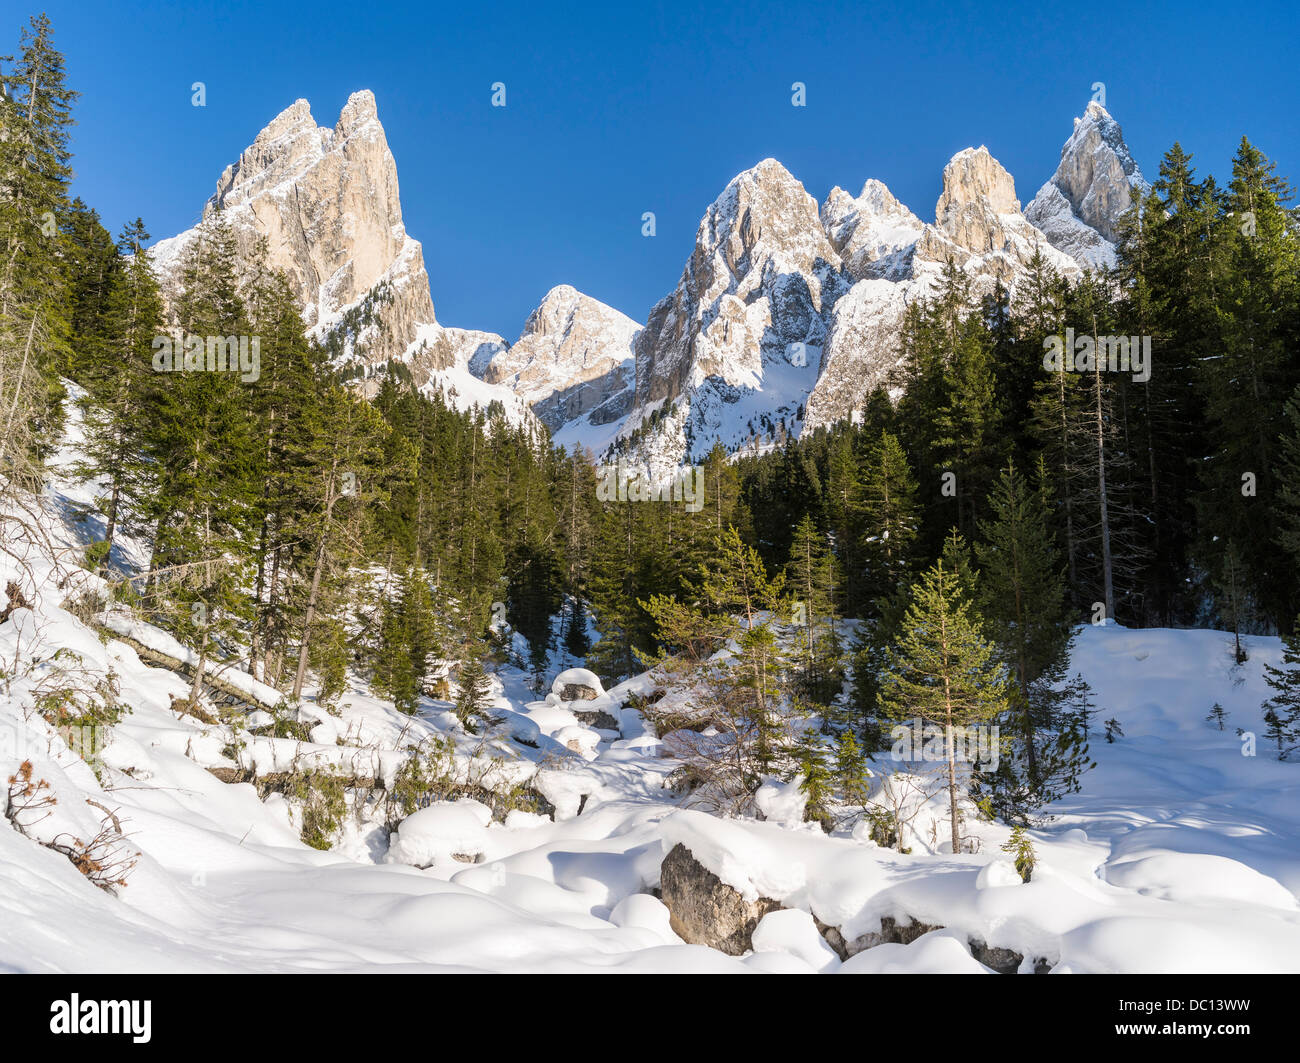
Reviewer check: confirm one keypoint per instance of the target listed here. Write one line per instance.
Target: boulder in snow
(704, 909)
(577, 684)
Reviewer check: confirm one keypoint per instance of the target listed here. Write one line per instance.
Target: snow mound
(440, 833)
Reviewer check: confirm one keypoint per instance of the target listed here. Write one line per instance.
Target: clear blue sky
(613, 111)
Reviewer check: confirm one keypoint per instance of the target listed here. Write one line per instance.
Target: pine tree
(1022, 598)
(810, 577)
(730, 604)
(1232, 596)
(887, 519)
(35, 310)
(475, 690)
(1282, 710)
(200, 441)
(117, 378)
(1021, 848)
(851, 772)
(815, 784)
(1246, 384)
(407, 641)
(942, 670)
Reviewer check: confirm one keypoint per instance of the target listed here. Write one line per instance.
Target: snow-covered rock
(447, 830)
(577, 684)
(792, 931)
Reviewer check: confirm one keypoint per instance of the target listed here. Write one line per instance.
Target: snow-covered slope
(1179, 854)
(444, 361)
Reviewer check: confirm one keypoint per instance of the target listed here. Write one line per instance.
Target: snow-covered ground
(1179, 854)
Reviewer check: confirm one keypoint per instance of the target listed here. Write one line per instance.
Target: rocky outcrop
(978, 226)
(326, 202)
(891, 932)
(438, 347)
(1079, 208)
(577, 692)
(704, 909)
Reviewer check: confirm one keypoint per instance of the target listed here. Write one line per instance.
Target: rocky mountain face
(751, 311)
(979, 226)
(573, 361)
(786, 316)
(761, 276)
(1078, 208)
(326, 201)
(873, 233)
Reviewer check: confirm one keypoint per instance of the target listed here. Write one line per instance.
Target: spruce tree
(942, 669)
(1022, 598)
(117, 378)
(475, 690)
(811, 579)
(1282, 710)
(887, 519)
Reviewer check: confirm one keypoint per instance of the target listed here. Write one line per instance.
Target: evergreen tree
(1022, 598)
(942, 670)
(811, 579)
(887, 519)
(475, 690)
(851, 771)
(117, 378)
(1022, 849)
(816, 784)
(1282, 710)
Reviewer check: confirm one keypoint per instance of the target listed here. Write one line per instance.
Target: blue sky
(613, 111)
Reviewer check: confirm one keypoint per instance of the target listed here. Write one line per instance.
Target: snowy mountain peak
(1094, 183)
(876, 198)
(873, 232)
(573, 360)
(758, 280)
